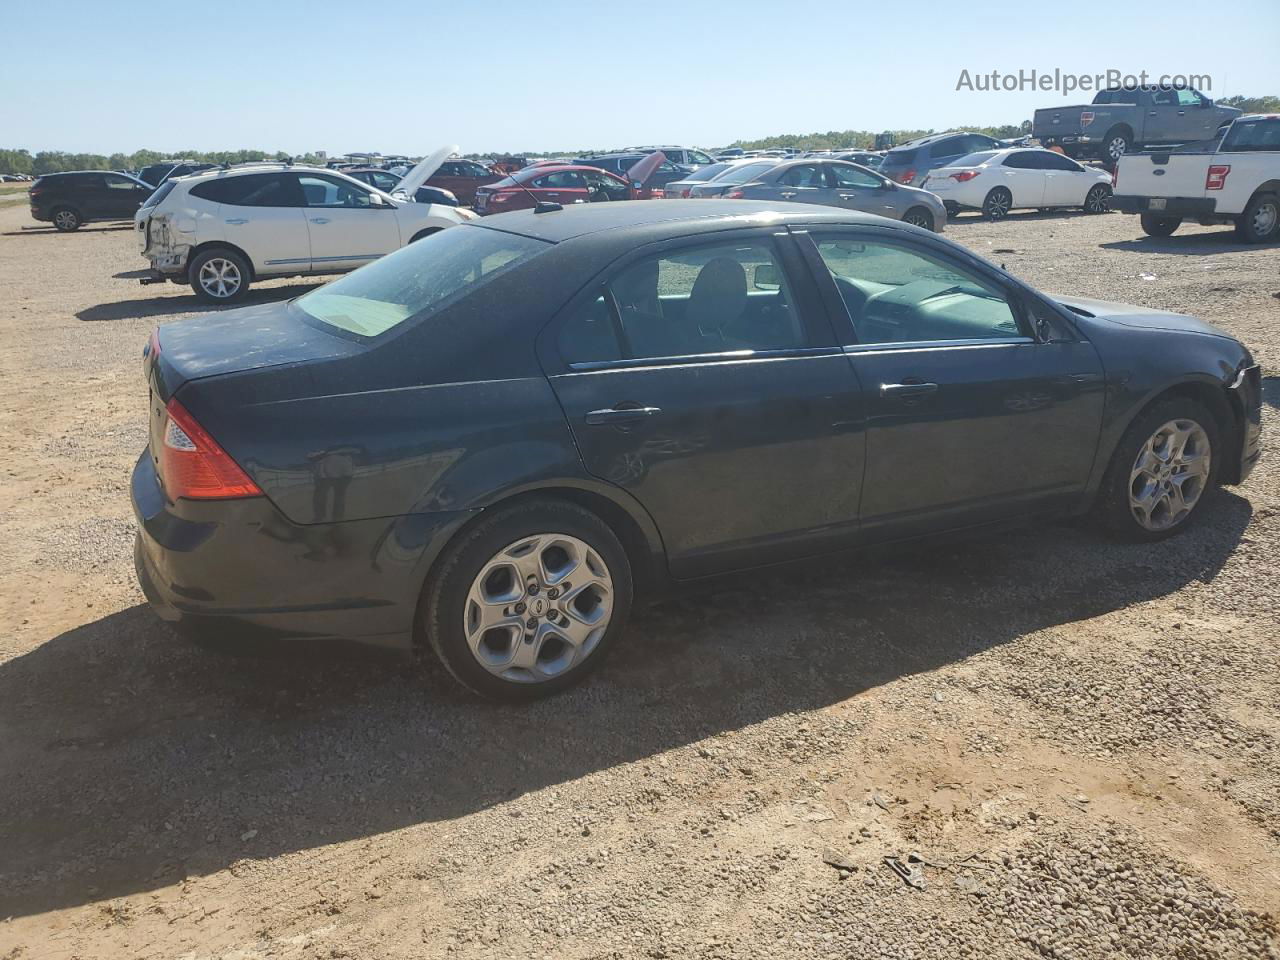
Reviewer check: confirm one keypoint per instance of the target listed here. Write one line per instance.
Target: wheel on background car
(529, 600)
(1154, 225)
(953, 209)
(1163, 466)
(1260, 222)
(1098, 199)
(997, 204)
(219, 275)
(918, 217)
(1118, 143)
(66, 219)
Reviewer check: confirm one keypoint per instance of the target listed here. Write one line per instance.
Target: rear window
(974, 159)
(417, 280)
(1262, 134)
(745, 172)
(159, 194)
(709, 172)
(903, 155)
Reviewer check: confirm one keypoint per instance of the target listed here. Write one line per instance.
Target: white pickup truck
(1237, 182)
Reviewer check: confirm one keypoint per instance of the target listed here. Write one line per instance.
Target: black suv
(158, 173)
(911, 162)
(69, 199)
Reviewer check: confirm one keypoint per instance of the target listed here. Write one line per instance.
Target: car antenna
(539, 206)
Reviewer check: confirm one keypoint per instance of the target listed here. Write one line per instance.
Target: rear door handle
(319, 219)
(238, 220)
(615, 415)
(907, 391)
(847, 196)
(788, 194)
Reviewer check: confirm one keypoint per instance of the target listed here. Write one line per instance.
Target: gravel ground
(1071, 745)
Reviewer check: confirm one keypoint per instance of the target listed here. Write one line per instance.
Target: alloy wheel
(219, 277)
(998, 205)
(1169, 475)
(918, 218)
(1116, 148)
(538, 608)
(64, 220)
(1097, 201)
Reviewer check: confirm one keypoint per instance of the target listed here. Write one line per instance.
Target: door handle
(319, 219)
(238, 220)
(787, 194)
(1152, 114)
(847, 196)
(907, 391)
(1182, 113)
(615, 415)
(550, 194)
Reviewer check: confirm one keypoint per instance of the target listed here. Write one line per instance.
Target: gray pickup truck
(1123, 119)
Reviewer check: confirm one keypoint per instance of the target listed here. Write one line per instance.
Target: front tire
(529, 601)
(219, 275)
(1260, 222)
(919, 217)
(66, 220)
(1160, 471)
(1156, 226)
(1098, 199)
(997, 204)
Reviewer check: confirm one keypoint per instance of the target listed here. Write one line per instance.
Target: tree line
(57, 161)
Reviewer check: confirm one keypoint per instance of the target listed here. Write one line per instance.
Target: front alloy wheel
(1098, 200)
(1169, 475)
(538, 608)
(918, 217)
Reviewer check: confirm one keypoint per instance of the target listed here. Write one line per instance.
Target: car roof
(582, 219)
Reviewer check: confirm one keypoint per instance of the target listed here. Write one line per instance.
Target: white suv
(222, 229)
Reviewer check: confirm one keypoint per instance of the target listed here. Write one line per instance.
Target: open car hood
(423, 170)
(642, 171)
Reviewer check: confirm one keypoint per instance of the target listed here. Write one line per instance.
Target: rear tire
(531, 640)
(66, 219)
(1125, 486)
(1157, 226)
(997, 204)
(219, 275)
(1117, 144)
(1260, 222)
(1098, 199)
(953, 209)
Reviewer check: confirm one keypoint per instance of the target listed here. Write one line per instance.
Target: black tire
(1260, 222)
(230, 263)
(1154, 225)
(1112, 509)
(424, 233)
(919, 217)
(953, 209)
(997, 204)
(66, 219)
(1098, 199)
(1115, 145)
(444, 603)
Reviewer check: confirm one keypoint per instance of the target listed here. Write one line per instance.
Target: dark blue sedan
(486, 443)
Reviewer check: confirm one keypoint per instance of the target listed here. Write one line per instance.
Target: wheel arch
(221, 245)
(1121, 127)
(424, 232)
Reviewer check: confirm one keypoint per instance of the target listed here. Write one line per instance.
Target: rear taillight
(735, 194)
(1115, 176)
(684, 194)
(1086, 118)
(193, 466)
(657, 193)
(906, 176)
(1216, 178)
(964, 175)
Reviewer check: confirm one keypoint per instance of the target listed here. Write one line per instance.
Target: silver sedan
(836, 183)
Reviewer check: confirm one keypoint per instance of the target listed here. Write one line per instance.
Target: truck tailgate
(1061, 121)
(1162, 174)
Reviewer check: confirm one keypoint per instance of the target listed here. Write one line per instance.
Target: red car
(563, 184)
(462, 178)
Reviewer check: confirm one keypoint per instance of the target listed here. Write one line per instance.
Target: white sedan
(997, 181)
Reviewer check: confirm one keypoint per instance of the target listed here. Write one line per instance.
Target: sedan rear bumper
(240, 567)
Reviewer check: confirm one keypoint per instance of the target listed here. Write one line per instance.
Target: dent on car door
(970, 417)
(703, 378)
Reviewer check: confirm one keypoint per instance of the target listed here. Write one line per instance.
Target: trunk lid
(1059, 121)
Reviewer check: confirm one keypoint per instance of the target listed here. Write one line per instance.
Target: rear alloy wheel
(998, 203)
(530, 601)
(1160, 471)
(1098, 199)
(1154, 225)
(219, 276)
(1117, 146)
(66, 219)
(918, 217)
(1260, 221)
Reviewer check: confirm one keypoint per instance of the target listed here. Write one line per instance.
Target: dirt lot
(1080, 737)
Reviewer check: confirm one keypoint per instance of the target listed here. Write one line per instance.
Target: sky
(547, 75)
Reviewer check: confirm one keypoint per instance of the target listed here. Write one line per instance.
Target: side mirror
(766, 277)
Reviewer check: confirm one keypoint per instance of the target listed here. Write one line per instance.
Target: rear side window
(159, 194)
(251, 190)
(417, 280)
(745, 172)
(1253, 135)
(975, 159)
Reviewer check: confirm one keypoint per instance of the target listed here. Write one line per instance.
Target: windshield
(418, 279)
(974, 159)
(745, 172)
(1249, 135)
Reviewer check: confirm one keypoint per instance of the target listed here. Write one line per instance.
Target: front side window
(710, 299)
(1051, 160)
(560, 180)
(418, 280)
(898, 295)
(1188, 97)
(697, 156)
(848, 177)
(322, 191)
